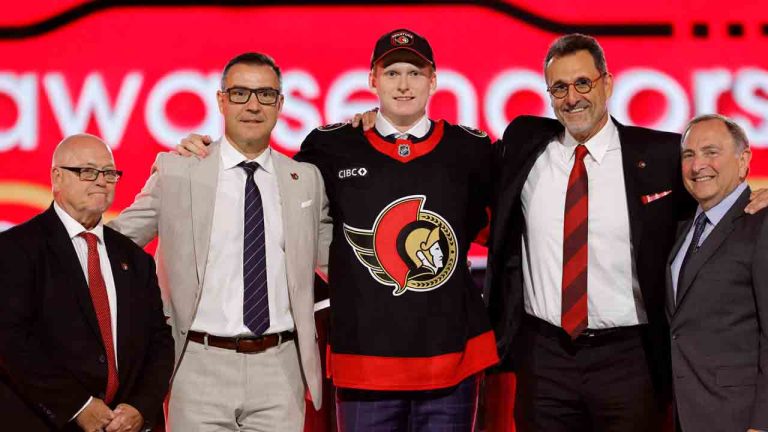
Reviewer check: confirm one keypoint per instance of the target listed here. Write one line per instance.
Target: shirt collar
(605, 139)
(418, 130)
(230, 157)
(74, 228)
(716, 213)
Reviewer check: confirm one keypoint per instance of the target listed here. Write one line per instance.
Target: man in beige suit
(241, 232)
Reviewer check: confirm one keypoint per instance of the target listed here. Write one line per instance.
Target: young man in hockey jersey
(409, 331)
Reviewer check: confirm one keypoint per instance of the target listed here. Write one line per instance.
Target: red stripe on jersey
(418, 149)
(413, 373)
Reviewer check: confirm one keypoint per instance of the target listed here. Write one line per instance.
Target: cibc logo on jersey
(408, 247)
(352, 172)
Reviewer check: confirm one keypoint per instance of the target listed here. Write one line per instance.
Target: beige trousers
(217, 389)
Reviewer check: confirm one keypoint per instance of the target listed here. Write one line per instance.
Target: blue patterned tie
(255, 303)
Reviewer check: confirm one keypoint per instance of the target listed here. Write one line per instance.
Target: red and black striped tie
(575, 232)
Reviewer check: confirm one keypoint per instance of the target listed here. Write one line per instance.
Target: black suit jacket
(651, 164)
(52, 358)
(719, 326)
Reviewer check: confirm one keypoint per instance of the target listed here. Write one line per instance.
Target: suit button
(183, 332)
(675, 336)
(102, 359)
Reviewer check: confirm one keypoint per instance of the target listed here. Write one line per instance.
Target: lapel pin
(641, 164)
(124, 266)
(294, 176)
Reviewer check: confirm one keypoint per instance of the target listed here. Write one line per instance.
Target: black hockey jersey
(405, 313)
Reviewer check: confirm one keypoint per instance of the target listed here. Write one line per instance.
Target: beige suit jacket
(177, 205)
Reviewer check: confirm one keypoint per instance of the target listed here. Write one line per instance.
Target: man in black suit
(83, 340)
(717, 288)
(584, 217)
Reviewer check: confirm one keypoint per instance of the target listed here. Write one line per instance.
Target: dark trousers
(599, 382)
(446, 410)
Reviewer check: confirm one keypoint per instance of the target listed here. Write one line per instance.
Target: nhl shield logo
(408, 248)
(401, 39)
(404, 150)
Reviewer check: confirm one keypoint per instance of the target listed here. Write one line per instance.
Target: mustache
(579, 104)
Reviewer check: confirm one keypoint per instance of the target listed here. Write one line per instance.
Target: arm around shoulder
(139, 221)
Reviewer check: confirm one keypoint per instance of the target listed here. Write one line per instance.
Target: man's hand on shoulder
(127, 419)
(758, 200)
(194, 145)
(368, 119)
(95, 416)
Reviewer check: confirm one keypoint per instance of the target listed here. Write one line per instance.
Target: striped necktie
(255, 301)
(574, 316)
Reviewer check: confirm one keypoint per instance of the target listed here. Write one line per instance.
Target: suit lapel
(711, 245)
(682, 230)
(203, 183)
(289, 190)
(119, 265)
(632, 153)
(60, 248)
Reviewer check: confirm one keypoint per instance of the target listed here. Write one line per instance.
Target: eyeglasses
(241, 95)
(91, 174)
(581, 85)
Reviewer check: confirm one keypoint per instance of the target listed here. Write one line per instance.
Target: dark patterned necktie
(98, 290)
(574, 316)
(255, 302)
(698, 230)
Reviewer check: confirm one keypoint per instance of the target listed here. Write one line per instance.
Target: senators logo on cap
(408, 248)
(401, 39)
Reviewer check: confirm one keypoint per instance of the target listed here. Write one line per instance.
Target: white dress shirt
(613, 292)
(418, 130)
(74, 229)
(220, 311)
(714, 216)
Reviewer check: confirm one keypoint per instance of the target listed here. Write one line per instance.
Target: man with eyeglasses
(240, 234)
(585, 214)
(83, 340)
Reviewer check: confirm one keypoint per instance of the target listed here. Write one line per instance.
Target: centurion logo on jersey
(408, 247)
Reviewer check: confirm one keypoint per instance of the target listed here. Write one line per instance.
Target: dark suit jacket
(52, 358)
(719, 326)
(651, 163)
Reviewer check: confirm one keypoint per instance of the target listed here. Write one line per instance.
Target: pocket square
(646, 199)
(306, 204)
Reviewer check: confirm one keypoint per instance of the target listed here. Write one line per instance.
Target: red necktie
(574, 301)
(101, 306)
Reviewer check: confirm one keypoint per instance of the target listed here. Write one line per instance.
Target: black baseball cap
(402, 39)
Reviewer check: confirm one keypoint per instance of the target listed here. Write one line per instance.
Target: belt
(588, 337)
(246, 344)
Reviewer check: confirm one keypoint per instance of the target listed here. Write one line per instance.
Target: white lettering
(634, 81)
(708, 85)
(204, 86)
(466, 97)
(338, 107)
(22, 90)
(501, 89)
(748, 83)
(305, 88)
(94, 101)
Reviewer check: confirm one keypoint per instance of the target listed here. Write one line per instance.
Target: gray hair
(574, 42)
(736, 131)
